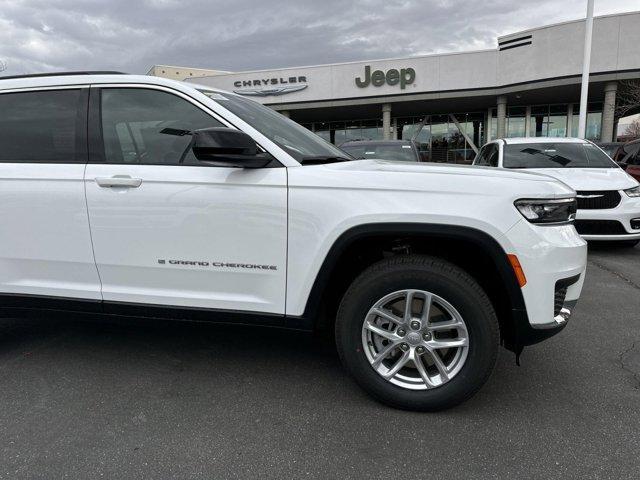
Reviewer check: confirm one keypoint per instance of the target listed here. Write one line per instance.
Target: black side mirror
(226, 147)
(623, 165)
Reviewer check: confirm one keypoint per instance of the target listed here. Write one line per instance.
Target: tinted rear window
(555, 155)
(39, 126)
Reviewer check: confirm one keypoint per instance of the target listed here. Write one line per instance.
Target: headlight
(633, 192)
(548, 211)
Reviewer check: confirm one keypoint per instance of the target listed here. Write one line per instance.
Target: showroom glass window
(539, 121)
(40, 127)
(516, 121)
(143, 126)
(594, 121)
(557, 126)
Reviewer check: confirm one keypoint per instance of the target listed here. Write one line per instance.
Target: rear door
(45, 244)
(168, 230)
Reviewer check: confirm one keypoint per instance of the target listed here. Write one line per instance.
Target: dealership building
(452, 103)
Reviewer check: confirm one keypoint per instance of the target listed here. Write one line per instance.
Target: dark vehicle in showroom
(611, 148)
(628, 157)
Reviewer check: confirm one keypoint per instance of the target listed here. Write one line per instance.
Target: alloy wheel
(415, 339)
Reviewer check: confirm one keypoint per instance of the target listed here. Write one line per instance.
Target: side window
(488, 156)
(41, 127)
(493, 155)
(482, 156)
(144, 126)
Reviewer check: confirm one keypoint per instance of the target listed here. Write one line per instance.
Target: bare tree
(628, 97)
(633, 129)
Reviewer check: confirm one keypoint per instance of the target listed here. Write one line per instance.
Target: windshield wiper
(323, 159)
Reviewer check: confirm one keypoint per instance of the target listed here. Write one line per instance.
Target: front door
(168, 230)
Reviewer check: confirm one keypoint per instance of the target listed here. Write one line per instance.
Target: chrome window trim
(42, 89)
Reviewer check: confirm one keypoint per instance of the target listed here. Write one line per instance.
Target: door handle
(124, 181)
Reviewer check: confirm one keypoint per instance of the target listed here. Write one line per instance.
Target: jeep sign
(404, 77)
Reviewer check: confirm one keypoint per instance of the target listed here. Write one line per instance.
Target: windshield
(296, 140)
(555, 155)
(397, 152)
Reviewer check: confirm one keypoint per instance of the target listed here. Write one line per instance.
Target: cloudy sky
(132, 35)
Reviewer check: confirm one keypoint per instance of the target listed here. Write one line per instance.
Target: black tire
(443, 279)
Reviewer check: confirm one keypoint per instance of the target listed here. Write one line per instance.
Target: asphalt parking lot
(81, 400)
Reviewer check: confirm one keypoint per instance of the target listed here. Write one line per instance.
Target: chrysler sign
(264, 87)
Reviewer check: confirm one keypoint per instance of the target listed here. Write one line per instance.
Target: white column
(586, 63)
(569, 119)
(386, 121)
(502, 116)
(488, 125)
(608, 112)
(527, 121)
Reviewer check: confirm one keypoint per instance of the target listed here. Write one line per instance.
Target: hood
(434, 193)
(590, 178)
(439, 179)
(372, 165)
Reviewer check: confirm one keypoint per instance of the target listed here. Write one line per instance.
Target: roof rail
(60, 74)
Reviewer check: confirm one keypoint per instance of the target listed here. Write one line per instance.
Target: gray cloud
(46, 35)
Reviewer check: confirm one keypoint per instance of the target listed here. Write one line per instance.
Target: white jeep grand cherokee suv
(608, 198)
(134, 196)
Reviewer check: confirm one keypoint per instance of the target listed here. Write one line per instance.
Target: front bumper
(627, 210)
(550, 256)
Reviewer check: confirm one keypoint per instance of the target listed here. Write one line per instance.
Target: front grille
(599, 227)
(598, 199)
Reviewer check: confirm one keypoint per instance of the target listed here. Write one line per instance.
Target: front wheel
(417, 333)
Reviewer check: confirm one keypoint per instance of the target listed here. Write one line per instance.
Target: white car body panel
(590, 178)
(192, 214)
(370, 191)
(45, 245)
(547, 255)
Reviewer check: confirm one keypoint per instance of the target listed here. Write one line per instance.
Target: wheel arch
(476, 246)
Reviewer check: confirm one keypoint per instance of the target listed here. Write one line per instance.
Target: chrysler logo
(589, 196)
(265, 87)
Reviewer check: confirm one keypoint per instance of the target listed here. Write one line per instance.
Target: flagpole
(586, 63)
